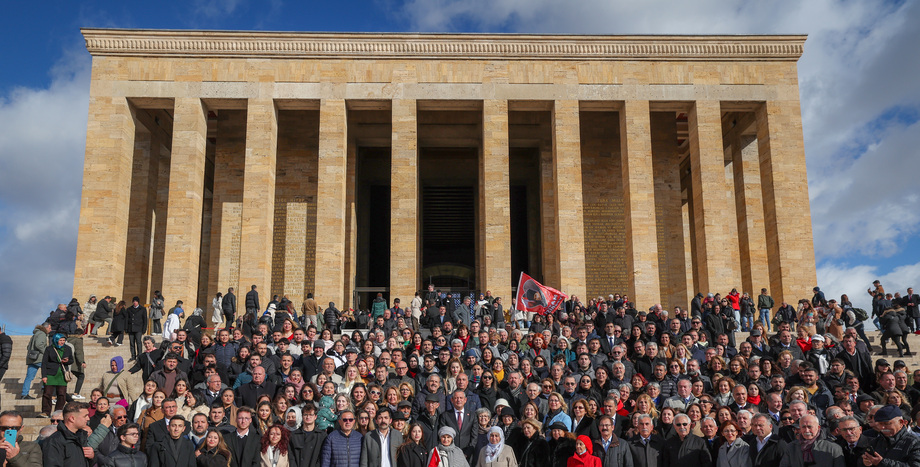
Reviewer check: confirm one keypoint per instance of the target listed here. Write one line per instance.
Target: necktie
(459, 419)
(611, 341)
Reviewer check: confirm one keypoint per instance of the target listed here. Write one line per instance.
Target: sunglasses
(785, 419)
(376, 393)
(348, 420)
(682, 424)
(4, 428)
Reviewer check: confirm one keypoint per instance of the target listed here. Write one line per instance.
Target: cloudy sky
(860, 96)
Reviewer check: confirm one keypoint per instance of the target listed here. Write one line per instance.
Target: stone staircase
(98, 356)
(97, 362)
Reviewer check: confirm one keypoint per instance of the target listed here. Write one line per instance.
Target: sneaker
(118, 344)
(28, 397)
(77, 397)
(44, 415)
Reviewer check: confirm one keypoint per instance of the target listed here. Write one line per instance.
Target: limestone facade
(655, 166)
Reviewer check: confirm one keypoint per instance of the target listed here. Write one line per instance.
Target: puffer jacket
(340, 450)
(902, 450)
(225, 353)
(124, 456)
(38, 342)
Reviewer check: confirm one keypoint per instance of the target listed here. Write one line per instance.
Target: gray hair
(456, 341)
(682, 416)
(483, 410)
(758, 416)
(653, 384)
(150, 339)
(746, 413)
(626, 385)
(432, 376)
(644, 416)
(650, 345)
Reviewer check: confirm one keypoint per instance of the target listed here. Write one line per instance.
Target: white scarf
(493, 450)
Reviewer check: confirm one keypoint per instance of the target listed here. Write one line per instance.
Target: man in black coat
(137, 324)
(857, 361)
(228, 307)
(67, 447)
(244, 442)
(852, 441)
(159, 431)
(647, 448)
(686, 449)
(248, 394)
(176, 450)
(252, 301)
(306, 443)
(6, 350)
(766, 448)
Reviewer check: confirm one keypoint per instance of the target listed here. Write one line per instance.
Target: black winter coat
(123, 457)
(228, 304)
(136, 319)
(533, 452)
(305, 447)
(252, 300)
(411, 455)
(212, 459)
(119, 321)
(64, 448)
(50, 362)
(560, 451)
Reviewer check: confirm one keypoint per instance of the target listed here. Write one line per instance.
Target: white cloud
(42, 158)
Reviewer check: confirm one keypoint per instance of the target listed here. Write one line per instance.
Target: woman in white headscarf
(449, 453)
(496, 453)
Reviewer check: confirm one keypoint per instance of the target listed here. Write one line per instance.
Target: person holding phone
(18, 452)
(57, 355)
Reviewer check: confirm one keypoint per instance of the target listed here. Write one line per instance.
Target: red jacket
(588, 459)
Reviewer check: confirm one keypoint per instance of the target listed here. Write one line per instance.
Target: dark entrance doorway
(448, 217)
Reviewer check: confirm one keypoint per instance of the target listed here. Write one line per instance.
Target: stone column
(404, 186)
(104, 207)
(186, 192)
(138, 241)
(259, 196)
(549, 239)
(752, 241)
(495, 218)
(639, 201)
(227, 211)
(330, 202)
(570, 218)
(672, 262)
(710, 204)
(787, 212)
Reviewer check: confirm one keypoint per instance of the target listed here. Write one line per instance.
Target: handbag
(68, 375)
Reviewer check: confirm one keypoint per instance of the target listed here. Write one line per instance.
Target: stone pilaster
(105, 204)
(639, 201)
(549, 238)
(186, 192)
(710, 204)
(330, 203)
(137, 252)
(226, 220)
(259, 195)
(787, 211)
(404, 187)
(752, 241)
(351, 225)
(495, 218)
(672, 265)
(570, 215)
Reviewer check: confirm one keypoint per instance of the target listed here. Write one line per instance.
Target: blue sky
(858, 79)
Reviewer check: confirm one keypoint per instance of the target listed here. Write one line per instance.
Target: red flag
(435, 459)
(535, 297)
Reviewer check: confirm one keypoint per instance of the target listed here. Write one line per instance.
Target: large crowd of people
(735, 380)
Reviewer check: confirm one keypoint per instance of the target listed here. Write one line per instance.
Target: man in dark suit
(244, 442)
(647, 447)
(461, 421)
(739, 394)
(857, 361)
(306, 443)
(619, 422)
(766, 449)
(609, 339)
(159, 430)
(852, 441)
(381, 442)
(228, 307)
(136, 325)
(686, 449)
(174, 451)
(248, 394)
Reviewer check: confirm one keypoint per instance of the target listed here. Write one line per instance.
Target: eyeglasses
(348, 420)
(569, 383)
(681, 424)
(4, 428)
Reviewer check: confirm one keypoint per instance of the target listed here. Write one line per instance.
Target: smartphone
(10, 437)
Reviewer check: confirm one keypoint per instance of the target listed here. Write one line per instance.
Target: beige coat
(129, 384)
(265, 461)
(505, 458)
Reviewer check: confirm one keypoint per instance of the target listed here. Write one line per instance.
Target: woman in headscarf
(449, 454)
(293, 418)
(120, 386)
(496, 453)
(57, 355)
(584, 454)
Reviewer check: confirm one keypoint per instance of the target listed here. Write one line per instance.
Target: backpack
(861, 314)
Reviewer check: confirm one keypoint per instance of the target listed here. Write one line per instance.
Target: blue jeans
(765, 318)
(31, 371)
(747, 322)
